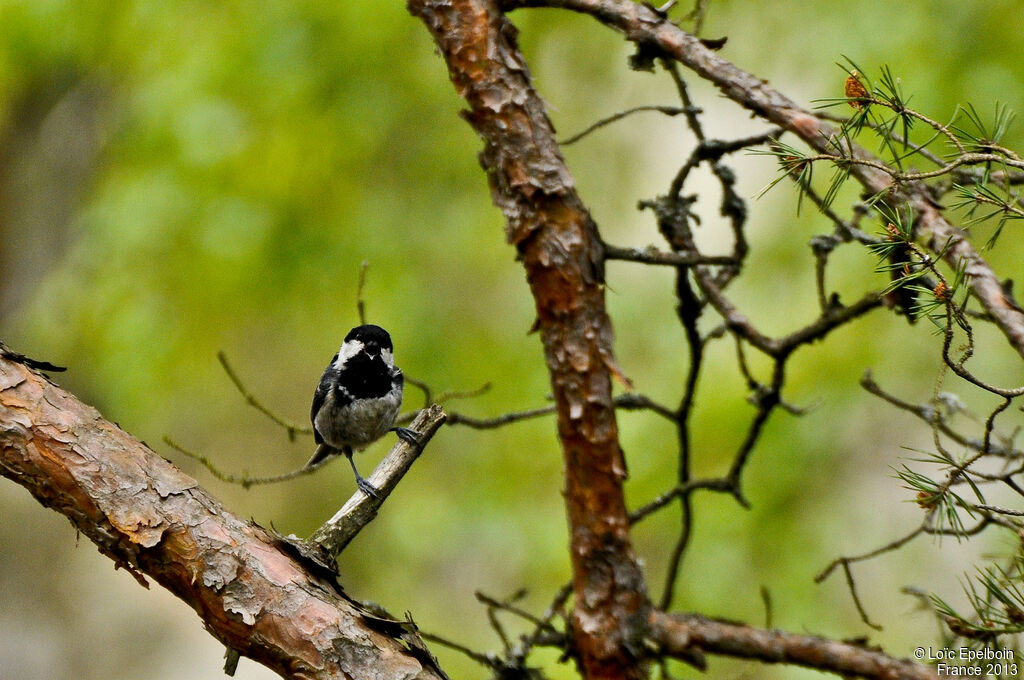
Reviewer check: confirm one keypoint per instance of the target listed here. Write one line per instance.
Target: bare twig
(487, 660)
(667, 110)
(852, 586)
(498, 421)
(360, 303)
(929, 414)
(888, 547)
(441, 398)
(509, 606)
(682, 634)
(634, 401)
(999, 510)
(628, 401)
(719, 484)
(243, 479)
(251, 399)
(652, 255)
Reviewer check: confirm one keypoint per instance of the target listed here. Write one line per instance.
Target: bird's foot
(367, 488)
(407, 435)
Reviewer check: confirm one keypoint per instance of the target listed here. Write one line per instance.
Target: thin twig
(498, 421)
(719, 484)
(360, 303)
(492, 617)
(250, 399)
(689, 310)
(629, 401)
(766, 600)
(697, 15)
(1001, 511)
(929, 414)
(243, 480)
(888, 547)
(487, 660)
(451, 395)
(442, 397)
(651, 255)
(633, 401)
(852, 586)
(507, 605)
(667, 110)
(428, 392)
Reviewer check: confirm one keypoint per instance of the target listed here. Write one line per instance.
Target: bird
(358, 399)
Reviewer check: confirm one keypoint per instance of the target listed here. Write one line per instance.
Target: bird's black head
(371, 336)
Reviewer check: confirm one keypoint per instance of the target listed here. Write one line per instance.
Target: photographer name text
(987, 662)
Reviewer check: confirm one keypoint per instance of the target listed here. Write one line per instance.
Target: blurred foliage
(178, 178)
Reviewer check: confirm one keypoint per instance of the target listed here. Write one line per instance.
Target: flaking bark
(558, 244)
(157, 522)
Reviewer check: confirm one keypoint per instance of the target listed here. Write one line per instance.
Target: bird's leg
(364, 486)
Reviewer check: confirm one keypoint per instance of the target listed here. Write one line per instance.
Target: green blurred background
(178, 178)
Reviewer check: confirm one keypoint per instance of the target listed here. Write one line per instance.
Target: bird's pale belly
(357, 424)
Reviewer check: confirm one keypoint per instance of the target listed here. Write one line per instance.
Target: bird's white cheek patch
(347, 351)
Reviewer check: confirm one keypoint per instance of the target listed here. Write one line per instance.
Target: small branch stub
(360, 509)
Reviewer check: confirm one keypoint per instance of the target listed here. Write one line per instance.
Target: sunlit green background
(178, 178)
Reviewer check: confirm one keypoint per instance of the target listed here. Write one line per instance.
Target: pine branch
(253, 592)
(644, 26)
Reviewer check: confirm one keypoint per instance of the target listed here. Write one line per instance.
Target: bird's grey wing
(319, 397)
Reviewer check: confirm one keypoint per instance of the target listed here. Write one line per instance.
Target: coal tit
(358, 399)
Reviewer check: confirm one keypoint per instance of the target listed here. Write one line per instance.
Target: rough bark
(557, 241)
(250, 591)
(643, 25)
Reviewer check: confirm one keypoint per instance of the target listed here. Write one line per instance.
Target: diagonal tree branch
(360, 509)
(251, 592)
(561, 251)
(653, 32)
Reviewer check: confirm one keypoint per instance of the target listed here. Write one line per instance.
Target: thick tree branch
(153, 520)
(653, 32)
(558, 244)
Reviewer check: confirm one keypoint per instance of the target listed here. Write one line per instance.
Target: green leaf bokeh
(178, 178)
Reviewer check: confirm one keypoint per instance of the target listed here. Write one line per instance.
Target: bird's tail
(322, 453)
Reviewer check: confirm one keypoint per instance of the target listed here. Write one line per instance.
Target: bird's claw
(407, 435)
(367, 488)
